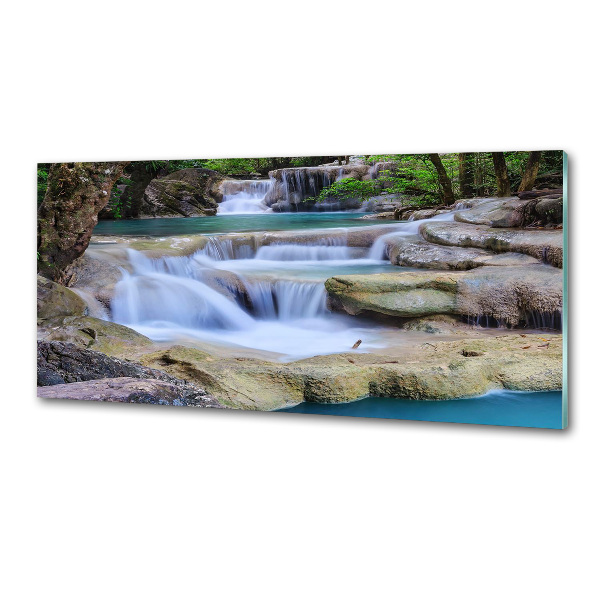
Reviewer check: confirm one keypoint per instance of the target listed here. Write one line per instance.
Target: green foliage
(414, 178)
(117, 204)
(410, 176)
(348, 189)
(42, 180)
(246, 167)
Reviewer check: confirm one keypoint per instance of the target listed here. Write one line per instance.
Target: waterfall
(294, 252)
(168, 291)
(244, 197)
(273, 299)
(378, 250)
(287, 300)
(532, 319)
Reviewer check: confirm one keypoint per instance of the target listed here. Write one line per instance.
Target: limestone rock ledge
(504, 293)
(545, 245)
(436, 370)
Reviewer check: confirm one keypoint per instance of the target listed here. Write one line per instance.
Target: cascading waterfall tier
(171, 298)
(263, 291)
(291, 187)
(244, 197)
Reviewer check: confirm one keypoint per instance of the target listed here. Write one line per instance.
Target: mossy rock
(54, 300)
(96, 334)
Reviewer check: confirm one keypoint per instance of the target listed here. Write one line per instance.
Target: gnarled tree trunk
(76, 193)
(445, 183)
(531, 171)
(466, 174)
(501, 171)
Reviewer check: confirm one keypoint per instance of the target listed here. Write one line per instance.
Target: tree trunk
(502, 181)
(76, 193)
(531, 171)
(445, 183)
(466, 174)
(140, 174)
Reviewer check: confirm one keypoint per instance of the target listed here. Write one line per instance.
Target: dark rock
(187, 193)
(130, 390)
(550, 210)
(66, 363)
(528, 195)
(139, 174)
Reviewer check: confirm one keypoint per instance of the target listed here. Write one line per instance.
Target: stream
(282, 311)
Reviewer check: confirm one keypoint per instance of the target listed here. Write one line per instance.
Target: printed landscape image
(425, 286)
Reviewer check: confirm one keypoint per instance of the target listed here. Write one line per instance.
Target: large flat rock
(432, 371)
(409, 294)
(497, 212)
(508, 294)
(543, 244)
(413, 251)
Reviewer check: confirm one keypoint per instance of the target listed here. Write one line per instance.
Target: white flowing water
(277, 305)
(378, 250)
(296, 252)
(270, 298)
(244, 197)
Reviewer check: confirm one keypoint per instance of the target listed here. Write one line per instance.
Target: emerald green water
(234, 224)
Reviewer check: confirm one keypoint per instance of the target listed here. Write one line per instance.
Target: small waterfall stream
(244, 197)
(378, 250)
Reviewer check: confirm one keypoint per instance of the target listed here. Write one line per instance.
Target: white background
(126, 502)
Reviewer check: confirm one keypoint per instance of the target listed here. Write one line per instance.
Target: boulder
(545, 245)
(97, 273)
(187, 193)
(512, 212)
(550, 210)
(138, 174)
(54, 300)
(413, 251)
(64, 363)
(507, 294)
(130, 390)
(87, 332)
(495, 212)
(225, 282)
(407, 294)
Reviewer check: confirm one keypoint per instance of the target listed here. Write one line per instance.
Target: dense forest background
(422, 179)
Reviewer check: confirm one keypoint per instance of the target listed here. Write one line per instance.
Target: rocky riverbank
(466, 272)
